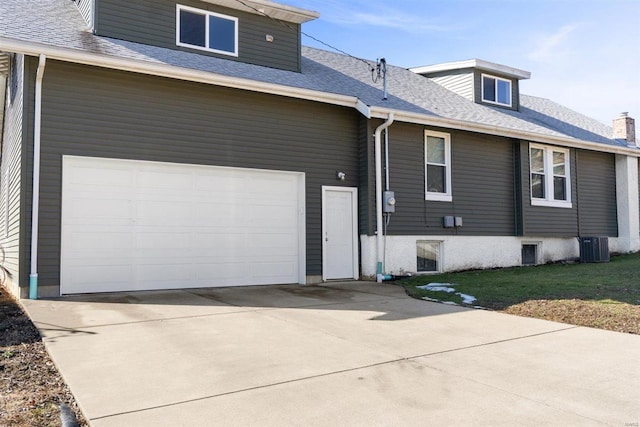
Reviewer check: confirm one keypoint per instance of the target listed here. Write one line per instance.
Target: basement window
(428, 256)
(496, 90)
(204, 30)
(529, 254)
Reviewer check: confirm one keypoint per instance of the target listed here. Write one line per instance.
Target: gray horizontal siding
(153, 22)
(102, 113)
(597, 204)
(366, 191)
(541, 220)
(10, 169)
(482, 185)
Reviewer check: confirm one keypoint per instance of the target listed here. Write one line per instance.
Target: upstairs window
(204, 30)
(550, 176)
(437, 152)
(496, 90)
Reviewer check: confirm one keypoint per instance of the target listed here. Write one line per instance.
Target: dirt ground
(31, 388)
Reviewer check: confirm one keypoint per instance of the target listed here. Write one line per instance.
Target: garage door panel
(162, 240)
(164, 180)
(110, 176)
(161, 226)
(95, 276)
(92, 210)
(165, 272)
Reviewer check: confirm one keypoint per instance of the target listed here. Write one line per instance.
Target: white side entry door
(339, 233)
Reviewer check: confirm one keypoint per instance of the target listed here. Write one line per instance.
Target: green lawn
(564, 292)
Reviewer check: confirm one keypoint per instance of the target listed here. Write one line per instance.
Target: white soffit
(474, 63)
(274, 10)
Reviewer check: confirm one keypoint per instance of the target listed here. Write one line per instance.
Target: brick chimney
(624, 127)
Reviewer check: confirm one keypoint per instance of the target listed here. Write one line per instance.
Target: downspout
(379, 234)
(35, 204)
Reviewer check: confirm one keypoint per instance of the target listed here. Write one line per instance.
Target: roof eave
(423, 119)
(274, 10)
(171, 71)
(474, 63)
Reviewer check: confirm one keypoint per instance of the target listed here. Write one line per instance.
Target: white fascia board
(474, 63)
(422, 119)
(163, 70)
(274, 10)
(170, 71)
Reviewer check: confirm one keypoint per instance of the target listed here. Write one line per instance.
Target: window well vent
(594, 249)
(529, 254)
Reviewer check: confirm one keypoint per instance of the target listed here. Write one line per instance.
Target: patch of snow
(446, 287)
(466, 299)
(438, 287)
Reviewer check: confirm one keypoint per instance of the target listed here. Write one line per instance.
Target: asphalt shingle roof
(57, 23)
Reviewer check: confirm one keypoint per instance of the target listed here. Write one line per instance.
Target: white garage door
(134, 225)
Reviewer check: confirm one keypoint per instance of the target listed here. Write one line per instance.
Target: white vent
(5, 61)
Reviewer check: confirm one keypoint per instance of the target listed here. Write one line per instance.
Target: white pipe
(379, 235)
(35, 205)
(386, 160)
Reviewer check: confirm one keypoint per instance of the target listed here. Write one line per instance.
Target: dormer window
(204, 30)
(496, 90)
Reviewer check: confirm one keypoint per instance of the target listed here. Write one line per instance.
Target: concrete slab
(70, 315)
(346, 353)
(408, 327)
(584, 371)
(395, 394)
(127, 367)
(292, 295)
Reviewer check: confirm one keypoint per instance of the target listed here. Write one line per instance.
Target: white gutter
(35, 205)
(379, 236)
(416, 118)
(163, 70)
(142, 66)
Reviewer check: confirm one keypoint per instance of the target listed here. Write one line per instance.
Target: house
(160, 144)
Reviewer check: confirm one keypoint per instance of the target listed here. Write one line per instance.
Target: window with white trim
(437, 155)
(550, 176)
(204, 30)
(496, 90)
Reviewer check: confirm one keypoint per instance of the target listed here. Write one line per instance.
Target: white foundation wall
(465, 252)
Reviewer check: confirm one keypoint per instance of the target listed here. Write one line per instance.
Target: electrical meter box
(389, 202)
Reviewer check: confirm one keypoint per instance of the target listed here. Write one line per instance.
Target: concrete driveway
(352, 354)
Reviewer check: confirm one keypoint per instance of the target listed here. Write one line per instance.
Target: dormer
(259, 32)
(479, 81)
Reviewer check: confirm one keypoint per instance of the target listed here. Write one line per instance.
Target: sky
(584, 54)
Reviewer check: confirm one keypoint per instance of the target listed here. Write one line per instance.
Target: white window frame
(207, 14)
(429, 195)
(548, 177)
(488, 101)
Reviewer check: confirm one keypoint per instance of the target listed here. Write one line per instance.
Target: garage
(140, 225)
